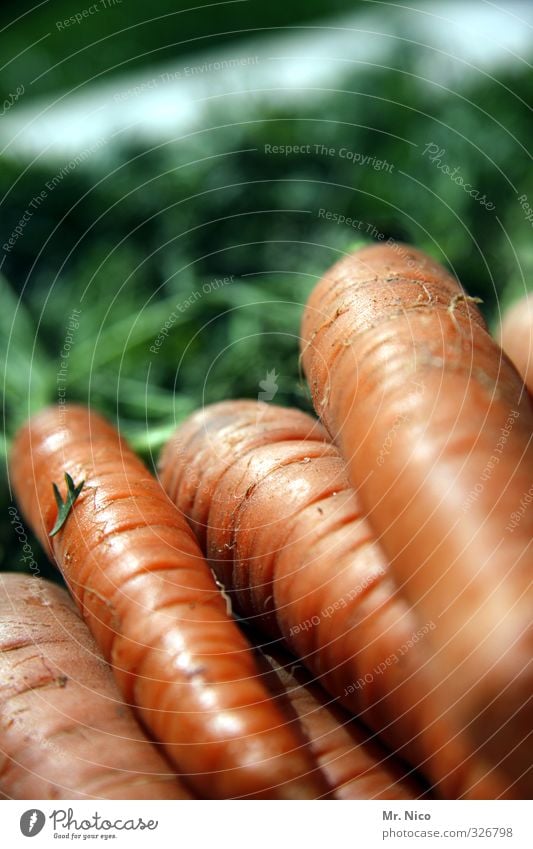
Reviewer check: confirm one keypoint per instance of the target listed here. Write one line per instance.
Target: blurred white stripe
(168, 101)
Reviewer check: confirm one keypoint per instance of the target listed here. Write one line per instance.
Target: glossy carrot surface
(269, 498)
(64, 730)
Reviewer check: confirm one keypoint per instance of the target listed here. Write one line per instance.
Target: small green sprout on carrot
(64, 507)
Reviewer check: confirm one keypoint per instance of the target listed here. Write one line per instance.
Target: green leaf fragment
(64, 507)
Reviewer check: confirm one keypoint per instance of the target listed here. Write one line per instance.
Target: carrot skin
(436, 429)
(64, 731)
(356, 765)
(284, 531)
(146, 593)
(515, 335)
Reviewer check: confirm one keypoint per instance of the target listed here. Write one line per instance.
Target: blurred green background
(188, 256)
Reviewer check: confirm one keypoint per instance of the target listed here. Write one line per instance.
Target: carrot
(269, 500)
(355, 764)
(516, 337)
(64, 733)
(436, 429)
(147, 595)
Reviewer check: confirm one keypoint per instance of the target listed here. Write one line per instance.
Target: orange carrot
(64, 732)
(436, 429)
(269, 499)
(146, 593)
(516, 337)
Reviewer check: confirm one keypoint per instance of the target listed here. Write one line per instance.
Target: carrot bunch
(375, 544)
(147, 595)
(65, 733)
(389, 564)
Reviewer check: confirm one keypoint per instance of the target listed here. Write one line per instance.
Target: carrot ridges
(150, 600)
